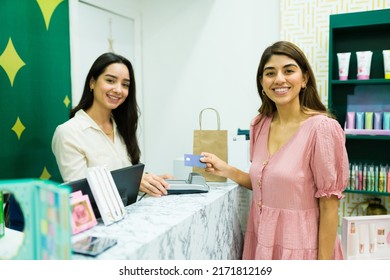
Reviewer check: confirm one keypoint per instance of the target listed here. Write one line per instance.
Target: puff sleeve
(329, 161)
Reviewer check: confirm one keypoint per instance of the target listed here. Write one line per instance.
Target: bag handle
(216, 112)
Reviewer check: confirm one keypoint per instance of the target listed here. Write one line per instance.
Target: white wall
(192, 54)
(197, 54)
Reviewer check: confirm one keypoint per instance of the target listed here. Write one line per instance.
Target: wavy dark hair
(127, 114)
(309, 97)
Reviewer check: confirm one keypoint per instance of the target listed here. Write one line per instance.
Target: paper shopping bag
(212, 141)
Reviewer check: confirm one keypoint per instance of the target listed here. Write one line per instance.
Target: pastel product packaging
(368, 120)
(380, 236)
(363, 234)
(386, 62)
(364, 64)
(372, 237)
(386, 120)
(352, 241)
(359, 123)
(378, 120)
(350, 120)
(388, 181)
(343, 60)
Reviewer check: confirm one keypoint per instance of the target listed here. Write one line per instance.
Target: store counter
(207, 226)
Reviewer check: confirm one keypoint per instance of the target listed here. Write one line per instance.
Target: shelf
(361, 82)
(352, 32)
(368, 192)
(367, 134)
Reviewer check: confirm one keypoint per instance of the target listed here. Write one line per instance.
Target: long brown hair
(127, 114)
(309, 98)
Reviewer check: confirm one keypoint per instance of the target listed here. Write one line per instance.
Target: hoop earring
(262, 92)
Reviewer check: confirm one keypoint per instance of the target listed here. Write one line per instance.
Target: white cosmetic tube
(343, 59)
(364, 64)
(372, 235)
(386, 61)
(363, 234)
(352, 241)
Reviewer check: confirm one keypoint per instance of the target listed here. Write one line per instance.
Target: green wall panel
(35, 85)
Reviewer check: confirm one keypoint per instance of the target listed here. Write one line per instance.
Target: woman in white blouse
(102, 128)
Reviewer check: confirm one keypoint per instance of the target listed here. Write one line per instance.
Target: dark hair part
(127, 114)
(309, 98)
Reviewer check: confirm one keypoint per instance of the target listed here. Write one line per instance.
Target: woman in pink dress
(299, 164)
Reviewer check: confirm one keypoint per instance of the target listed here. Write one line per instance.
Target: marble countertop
(187, 226)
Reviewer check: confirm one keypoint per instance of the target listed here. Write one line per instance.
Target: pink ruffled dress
(284, 214)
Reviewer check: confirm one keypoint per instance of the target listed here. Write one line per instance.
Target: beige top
(80, 143)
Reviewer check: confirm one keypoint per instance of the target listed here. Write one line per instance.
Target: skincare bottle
(368, 120)
(360, 177)
(371, 178)
(343, 60)
(352, 181)
(350, 120)
(352, 241)
(386, 120)
(359, 120)
(378, 120)
(364, 177)
(376, 178)
(386, 63)
(363, 233)
(381, 183)
(380, 237)
(364, 64)
(372, 238)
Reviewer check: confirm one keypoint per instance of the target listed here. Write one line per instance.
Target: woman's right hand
(215, 165)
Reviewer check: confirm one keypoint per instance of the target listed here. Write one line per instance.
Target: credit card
(193, 160)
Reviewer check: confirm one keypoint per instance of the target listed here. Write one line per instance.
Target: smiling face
(282, 80)
(112, 87)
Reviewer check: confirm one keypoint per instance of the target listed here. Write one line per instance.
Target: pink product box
(82, 217)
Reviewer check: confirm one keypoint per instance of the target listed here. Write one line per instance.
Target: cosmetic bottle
(369, 120)
(378, 120)
(350, 120)
(359, 120)
(372, 177)
(343, 60)
(386, 63)
(380, 237)
(363, 234)
(364, 64)
(381, 181)
(360, 177)
(388, 181)
(376, 178)
(372, 238)
(352, 181)
(364, 177)
(386, 120)
(352, 241)
(356, 176)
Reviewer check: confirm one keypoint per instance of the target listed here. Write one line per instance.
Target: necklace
(107, 133)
